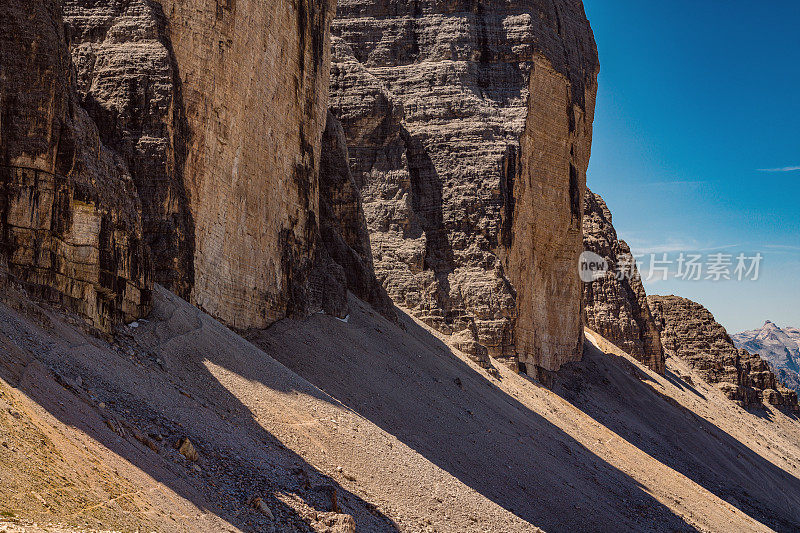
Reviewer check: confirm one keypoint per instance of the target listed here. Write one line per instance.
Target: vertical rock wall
(546, 232)
(468, 126)
(616, 306)
(254, 78)
(70, 224)
(191, 135)
(127, 81)
(343, 227)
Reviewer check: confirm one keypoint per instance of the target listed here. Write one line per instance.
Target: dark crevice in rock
(510, 171)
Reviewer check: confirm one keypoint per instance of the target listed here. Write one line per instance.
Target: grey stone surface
(468, 127)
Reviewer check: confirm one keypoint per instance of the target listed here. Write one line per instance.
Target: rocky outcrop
(469, 127)
(689, 331)
(70, 223)
(182, 143)
(780, 347)
(127, 80)
(185, 149)
(615, 305)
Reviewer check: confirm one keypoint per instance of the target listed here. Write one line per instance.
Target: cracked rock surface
(468, 127)
(689, 331)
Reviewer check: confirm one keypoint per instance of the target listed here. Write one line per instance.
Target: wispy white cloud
(675, 246)
(678, 182)
(779, 169)
(781, 249)
(782, 246)
(682, 184)
(639, 246)
(722, 247)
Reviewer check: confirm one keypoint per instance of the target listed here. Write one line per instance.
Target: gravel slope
(372, 424)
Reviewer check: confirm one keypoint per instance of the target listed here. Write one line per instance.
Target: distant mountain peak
(780, 347)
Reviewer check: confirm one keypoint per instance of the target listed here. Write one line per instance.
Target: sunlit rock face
(222, 107)
(173, 140)
(689, 331)
(468, 126)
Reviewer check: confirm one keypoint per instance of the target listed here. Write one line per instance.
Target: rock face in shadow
(689, 331)
(469, 127)
(70, 217)
(342, 223)
(172, 141)
(616, 304)
(127, 81)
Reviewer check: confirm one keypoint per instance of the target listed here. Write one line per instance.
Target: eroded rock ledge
(689, 331)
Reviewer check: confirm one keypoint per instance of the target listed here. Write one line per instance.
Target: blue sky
(694, 98)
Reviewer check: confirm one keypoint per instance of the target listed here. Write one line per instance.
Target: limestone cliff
(468, 126)
(184, 143)
(175, 140)
(616, 305)
(689, 331)
(221, 107)
(342, 223)
(127, 81)
(70, 224)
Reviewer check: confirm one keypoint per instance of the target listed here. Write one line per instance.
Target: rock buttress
(616, 306)
(254, 79)
(468, 126)
(127, 81)
(689, 331)
(70, 225)
(191, 135)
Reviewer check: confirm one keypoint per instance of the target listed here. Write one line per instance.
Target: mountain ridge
(780, 347)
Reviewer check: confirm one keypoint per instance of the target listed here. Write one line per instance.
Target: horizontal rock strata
(342, 223)
(184, 149)
(689, 331)
(127, 81)
(468, 127)
(615, 305)
(70, 218)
